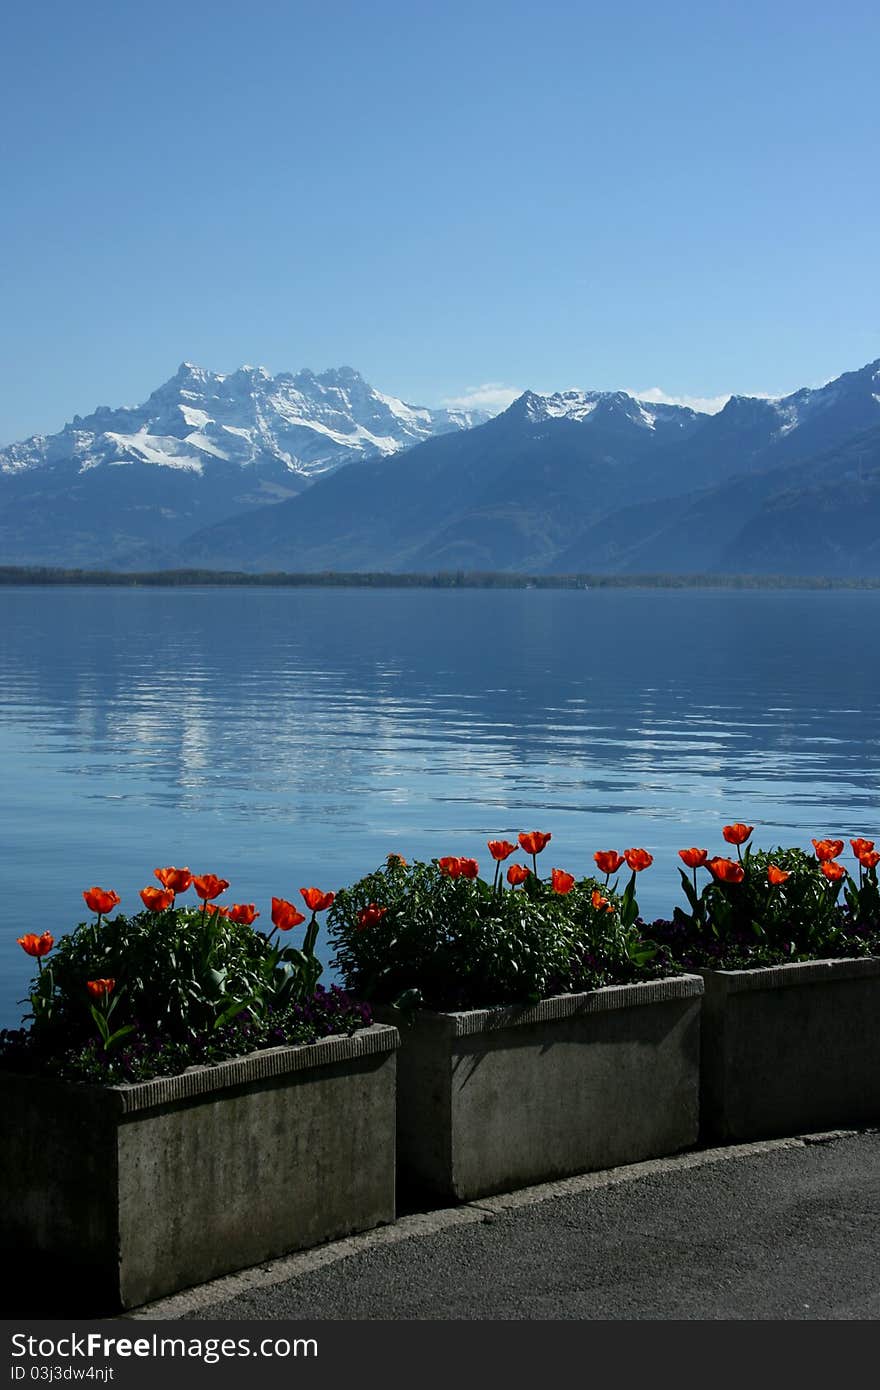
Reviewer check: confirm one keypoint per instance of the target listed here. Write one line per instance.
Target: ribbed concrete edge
(257, 1066)
(808, 972)
(431, 1223)
(568, 1005)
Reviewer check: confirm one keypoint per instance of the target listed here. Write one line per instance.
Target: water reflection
(294, 736)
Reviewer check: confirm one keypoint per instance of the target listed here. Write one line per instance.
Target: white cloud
(492, 396)
(708, 405)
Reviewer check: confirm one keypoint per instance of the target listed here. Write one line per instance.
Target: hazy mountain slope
(818, 516)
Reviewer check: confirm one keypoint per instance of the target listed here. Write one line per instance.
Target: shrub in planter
(540, 1039)
(176, 1041)
(788, 946)
(439, 936)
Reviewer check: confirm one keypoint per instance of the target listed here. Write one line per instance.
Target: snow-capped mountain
(286, 428)
(589, 481)
(607, 406)
(577, 480)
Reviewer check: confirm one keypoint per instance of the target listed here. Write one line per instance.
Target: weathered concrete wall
(145, 1189)
(496, 1099)
(790, 1049)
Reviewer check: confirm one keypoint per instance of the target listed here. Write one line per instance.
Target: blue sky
(443, 195)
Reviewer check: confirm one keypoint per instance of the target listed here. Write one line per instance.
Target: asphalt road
(785, 1230)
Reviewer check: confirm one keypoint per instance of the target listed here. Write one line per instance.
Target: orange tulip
(178, 880)
(726, 870)
(737, 834)
(500, 849)
(517, 873)
(609, 860)
(99, 989)
(285, 915)
(827, 849)
(101, 900)
(317, 901)
(157, 899)
(216, 910)
(534, 841)
(370, 916)
(36, 945)
(243, 913)
(209, 886)
(869, 858)
(831, 870)
(560, 881)
(860, 847)
(395, 859)
(450, 865)
(694, 858)
(776, 875)
(638, 859)
(599, 902)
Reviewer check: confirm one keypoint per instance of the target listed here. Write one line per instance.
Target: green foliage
(456, 943)
(141, 1055)
(742, 925)
(179, 973)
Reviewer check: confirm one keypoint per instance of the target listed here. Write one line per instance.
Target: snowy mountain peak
(287, 428)
(606, 406)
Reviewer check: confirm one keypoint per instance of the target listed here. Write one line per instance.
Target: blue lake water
(290, 737)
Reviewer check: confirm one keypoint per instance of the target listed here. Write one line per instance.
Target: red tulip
(638, 859)
(517, 873)
(694, 858)
(315, 900)
(216, 910)
(36, 945)
(243, 913)
(285, 915)
(560, 881)
(157, 899)
(599, 902)
(869, 858)
(469, 868)
(861, 847)
(450, 865)
(500, 849)
(726, 870)
(209, 886)
(99, 989)
(609, 860)
(831, 870)
(827, 849)
(178, 880)
(370, 916)
(534, 841)
(776, 875)
(101, 900)
(737, 834)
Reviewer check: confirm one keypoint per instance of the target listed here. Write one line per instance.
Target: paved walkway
(787, 1229)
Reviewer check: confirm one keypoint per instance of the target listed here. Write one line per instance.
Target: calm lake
(290, 737)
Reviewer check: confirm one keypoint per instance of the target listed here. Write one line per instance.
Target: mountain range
(310, 473)
(118, 487)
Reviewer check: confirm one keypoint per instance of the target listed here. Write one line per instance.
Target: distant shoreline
(171, 579)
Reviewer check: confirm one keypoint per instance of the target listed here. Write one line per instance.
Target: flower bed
(787, 944)
(188, 1100)
(538, 1038)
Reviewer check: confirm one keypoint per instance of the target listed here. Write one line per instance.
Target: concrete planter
(120, 1194)
(496, 1099)
(790, 1048)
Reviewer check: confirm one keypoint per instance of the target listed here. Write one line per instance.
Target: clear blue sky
(441, 194)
